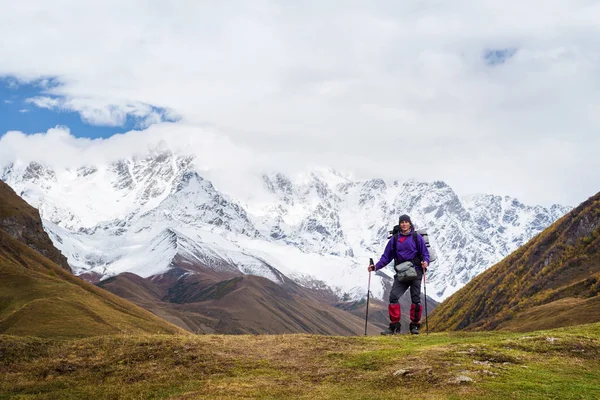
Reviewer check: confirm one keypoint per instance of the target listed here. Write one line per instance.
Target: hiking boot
(414, 329)
(392, 329)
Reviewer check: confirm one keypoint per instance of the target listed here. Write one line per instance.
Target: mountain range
(40, 296)
(148, 214)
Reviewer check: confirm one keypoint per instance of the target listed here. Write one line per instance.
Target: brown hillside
(23, 222)
(205, 303)
(552, 281)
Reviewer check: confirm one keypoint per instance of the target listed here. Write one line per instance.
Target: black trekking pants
(398, 289)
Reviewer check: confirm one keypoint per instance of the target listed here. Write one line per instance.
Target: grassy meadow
(557, 364)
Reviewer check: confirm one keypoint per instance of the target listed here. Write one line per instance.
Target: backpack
(424, 234)
(432, 253)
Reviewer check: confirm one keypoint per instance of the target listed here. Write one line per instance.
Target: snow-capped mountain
(147, 214)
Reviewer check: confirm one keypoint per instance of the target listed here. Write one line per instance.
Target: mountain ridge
(319, 218)
(558, 267)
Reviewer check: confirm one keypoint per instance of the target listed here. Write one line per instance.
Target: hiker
(410, 248)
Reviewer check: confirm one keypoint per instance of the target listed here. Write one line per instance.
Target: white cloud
(69, 151)
(95, 112)
(362, 86)
(46, 102)
(12, 84)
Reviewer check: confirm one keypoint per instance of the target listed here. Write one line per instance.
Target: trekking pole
(368, 295)
(425, 290)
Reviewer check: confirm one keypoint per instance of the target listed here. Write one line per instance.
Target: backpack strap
(395, 239)
(419, 257)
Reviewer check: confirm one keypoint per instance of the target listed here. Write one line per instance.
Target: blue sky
(497, 56)
(19, 114)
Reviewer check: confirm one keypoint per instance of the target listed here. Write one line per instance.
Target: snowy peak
(509, 216)
(38, 174)
(280, 185)
(109, 191)
(149, 178)
(194, 201)
(307, 215)
(146, 214)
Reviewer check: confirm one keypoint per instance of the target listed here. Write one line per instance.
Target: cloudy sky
(495, 97)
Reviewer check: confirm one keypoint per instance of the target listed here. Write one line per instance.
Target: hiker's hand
(424, 264)
(371, 268)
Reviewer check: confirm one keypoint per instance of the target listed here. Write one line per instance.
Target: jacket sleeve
(424, 249)
(387, 255)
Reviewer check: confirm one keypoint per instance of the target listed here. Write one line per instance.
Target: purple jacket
(406, 250)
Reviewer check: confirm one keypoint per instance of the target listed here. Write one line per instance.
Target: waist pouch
(405, 271)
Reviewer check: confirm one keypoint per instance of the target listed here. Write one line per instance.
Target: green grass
(557, 364)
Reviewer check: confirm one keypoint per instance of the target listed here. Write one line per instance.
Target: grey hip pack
(405, 271)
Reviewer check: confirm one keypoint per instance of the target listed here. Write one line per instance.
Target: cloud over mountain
(478, 94)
